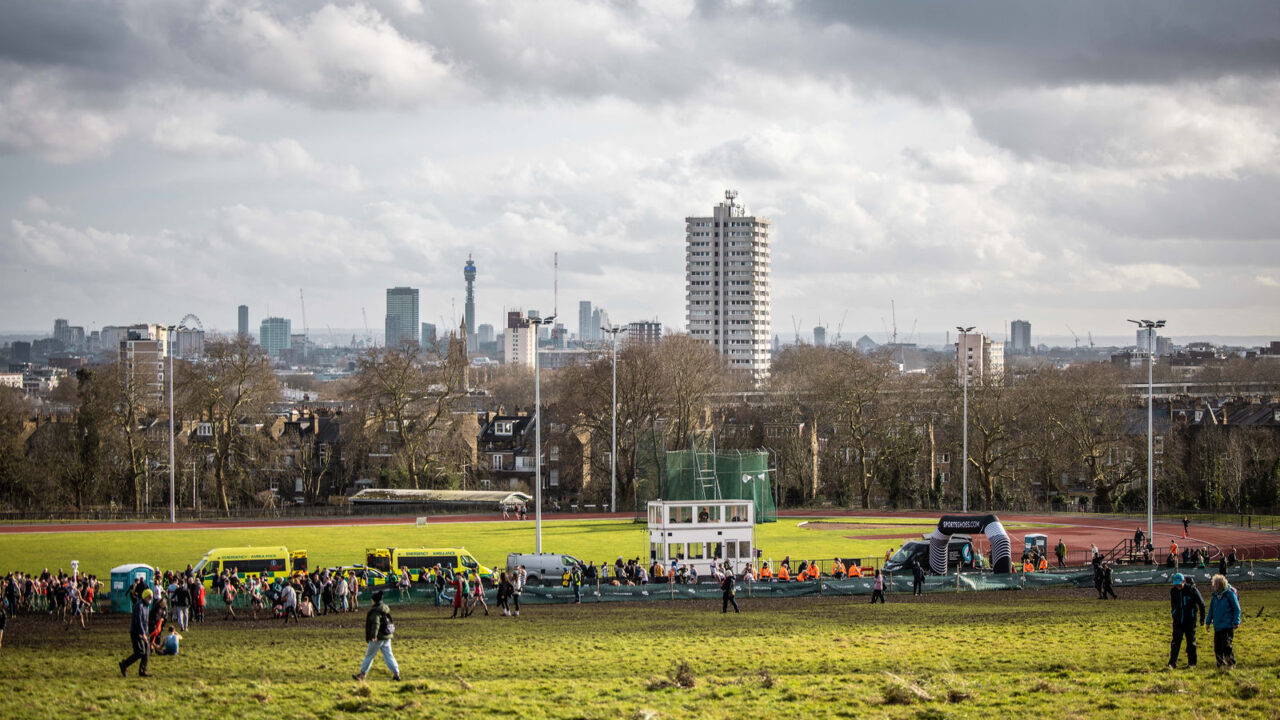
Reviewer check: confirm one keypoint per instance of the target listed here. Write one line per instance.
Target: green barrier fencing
(894, 584)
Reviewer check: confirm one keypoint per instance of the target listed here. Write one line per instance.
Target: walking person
(139, 625)
(378, 631)
(1186, 525)
(1061, 551)
(477, 594)
(289, 601)
(181, 602)
(459, 596)
(517, 586)
(504, 594)
(877, 590)
(1187, 607)
(1107, 589)
(917, 578)
(728, 590)
(1224, 617)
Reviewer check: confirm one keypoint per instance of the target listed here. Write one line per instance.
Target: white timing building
(727, 299)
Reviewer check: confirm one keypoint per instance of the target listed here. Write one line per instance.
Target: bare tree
(409, 394)
(233, 386)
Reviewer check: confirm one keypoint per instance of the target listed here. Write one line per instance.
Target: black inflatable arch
(1001, 555)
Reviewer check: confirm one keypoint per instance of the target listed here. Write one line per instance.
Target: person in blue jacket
(1224, 618)
(1187, 607)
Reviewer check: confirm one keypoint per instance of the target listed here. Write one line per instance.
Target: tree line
(841, 427)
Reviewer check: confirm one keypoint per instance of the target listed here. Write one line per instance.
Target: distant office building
(242, 321)
(982, 359)
(820, 336)
(486, 333)
(643, 332)
(402, 316)
(274, 335)
(519, 344)
(1164, 346)
(428, 335)
(1020, 337)
(727, 297)
(599, 319)
(1148, 340)
(61, 329)
(20, 352)
(187, 342)
(586, 330)
(469, 310)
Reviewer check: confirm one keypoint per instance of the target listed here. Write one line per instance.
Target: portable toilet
(1036, 542)
(123, 578)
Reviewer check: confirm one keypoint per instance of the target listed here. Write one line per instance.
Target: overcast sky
(1071, 163)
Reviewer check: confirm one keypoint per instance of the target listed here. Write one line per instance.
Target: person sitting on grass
(170, 644)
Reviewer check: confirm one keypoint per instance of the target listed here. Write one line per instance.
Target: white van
(542, 566)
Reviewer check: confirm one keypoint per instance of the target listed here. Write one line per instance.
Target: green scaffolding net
(723, 475)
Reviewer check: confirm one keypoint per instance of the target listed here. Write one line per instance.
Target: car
(373, 576)
(543, 566)
(959, 555)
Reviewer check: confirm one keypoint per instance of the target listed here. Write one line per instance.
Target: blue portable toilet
(123, 578)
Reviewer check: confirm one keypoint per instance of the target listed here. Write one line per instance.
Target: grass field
(598, 540)
(1013, 655)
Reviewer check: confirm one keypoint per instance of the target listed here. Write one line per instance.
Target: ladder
(705, 466)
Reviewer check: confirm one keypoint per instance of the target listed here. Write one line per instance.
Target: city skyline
(973, 165)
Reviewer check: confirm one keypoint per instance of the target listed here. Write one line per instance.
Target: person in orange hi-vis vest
(1044, 564)
(766, 573)
(855, 570)
(783, 575)
(1028, 567)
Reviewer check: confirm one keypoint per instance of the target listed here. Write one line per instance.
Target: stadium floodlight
(613, 456)
(963, 346)
(1150, 326)
(537, 433)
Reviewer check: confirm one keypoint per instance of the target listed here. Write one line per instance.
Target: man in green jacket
(378, 630)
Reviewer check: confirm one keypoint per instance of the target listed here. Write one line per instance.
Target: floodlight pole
(537, 434)
(169, 349)
(613, 455)
(964, 461)
(1150, 326)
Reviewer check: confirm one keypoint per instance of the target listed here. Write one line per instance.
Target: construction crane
(840, 327)
(332, 338)
(1074, 335)
(368, 336)
(1090, 339)
(794, 323)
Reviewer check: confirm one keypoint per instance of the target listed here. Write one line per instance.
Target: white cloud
(1266, 281)
(286, 158)
(197, 135)
(37, 117)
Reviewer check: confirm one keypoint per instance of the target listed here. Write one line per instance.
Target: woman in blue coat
(1224, 617)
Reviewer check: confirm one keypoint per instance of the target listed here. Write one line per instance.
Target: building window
(204, 429)
(944, 458)
(496, 461)
(553, 453)
(504, 427)
(393, 426)
(554, 478)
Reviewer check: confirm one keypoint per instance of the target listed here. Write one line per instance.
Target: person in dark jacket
(1106, 582)
(727, 588)
(138, 629)
(1223, 616)
(378, 630)
(917, 578)
(1187, 608)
